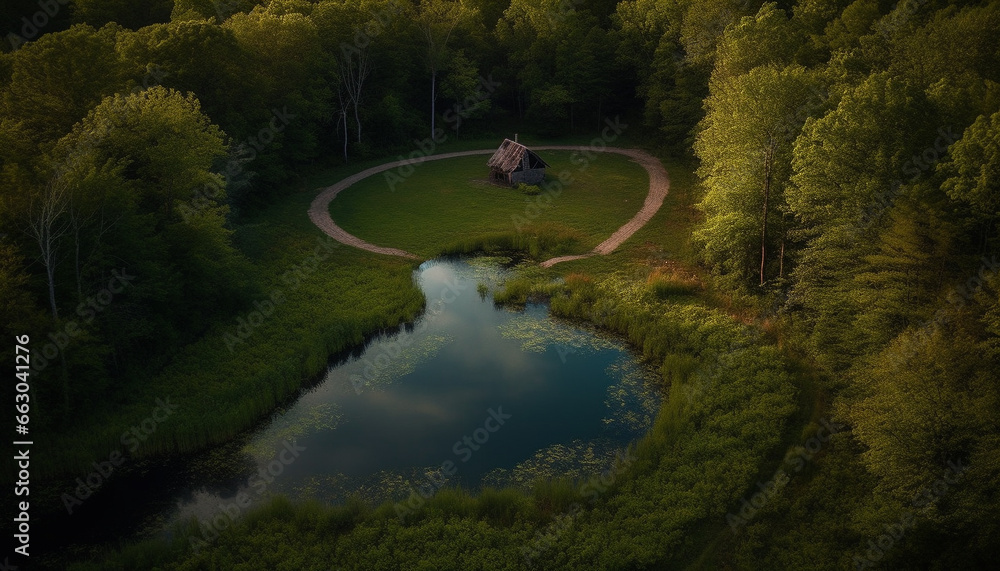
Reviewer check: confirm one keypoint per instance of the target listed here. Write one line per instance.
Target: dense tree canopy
(847, 157)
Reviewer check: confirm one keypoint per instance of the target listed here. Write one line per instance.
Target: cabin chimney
(515, 137)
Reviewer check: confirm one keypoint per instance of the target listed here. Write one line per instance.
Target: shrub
(529, 189)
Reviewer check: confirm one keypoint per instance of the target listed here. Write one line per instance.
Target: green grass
(444, 203)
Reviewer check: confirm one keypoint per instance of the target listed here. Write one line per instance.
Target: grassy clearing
(448, 205)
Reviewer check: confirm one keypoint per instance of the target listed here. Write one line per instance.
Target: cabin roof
(510, 155)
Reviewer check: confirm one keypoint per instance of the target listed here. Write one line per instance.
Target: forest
(837, 166)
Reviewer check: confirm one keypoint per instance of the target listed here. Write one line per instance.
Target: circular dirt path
(659, 185)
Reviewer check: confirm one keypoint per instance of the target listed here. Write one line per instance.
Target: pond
(469, 395)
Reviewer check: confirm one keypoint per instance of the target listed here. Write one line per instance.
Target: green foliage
(528, 189)
(845, 159)
(767, 38)
(16, 305)
(563, 61)
(936, 373)
(48, 89)
(746, 151)
(974, 168)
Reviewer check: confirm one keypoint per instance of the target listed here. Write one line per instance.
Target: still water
(469, 395)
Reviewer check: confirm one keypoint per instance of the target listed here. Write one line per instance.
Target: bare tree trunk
(781, 260)
(520, 107)
(47, 225)
(353, 74)
(763, 225)
(437, 21)
(433, 99)
(76, 256)
(357, 119)
(50, 271)
(343, 115)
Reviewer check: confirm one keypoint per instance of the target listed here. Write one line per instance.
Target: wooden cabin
(514, 163)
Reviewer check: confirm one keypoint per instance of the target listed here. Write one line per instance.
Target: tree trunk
(65, 383)
(343, 115)
(47, 225)
(50, 272)
(767, 193)
(433, 99)
(781, 260)
(76, 259)
(357, 119)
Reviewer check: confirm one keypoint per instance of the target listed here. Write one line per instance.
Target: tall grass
(539, 241)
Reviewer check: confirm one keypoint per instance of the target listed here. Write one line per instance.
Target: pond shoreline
(180, 464)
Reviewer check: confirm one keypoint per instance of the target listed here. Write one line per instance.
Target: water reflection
(504, 396)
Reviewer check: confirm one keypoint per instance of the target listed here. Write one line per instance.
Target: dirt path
(659, 185)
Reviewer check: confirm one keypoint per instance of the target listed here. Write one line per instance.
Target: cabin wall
(529, 176)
